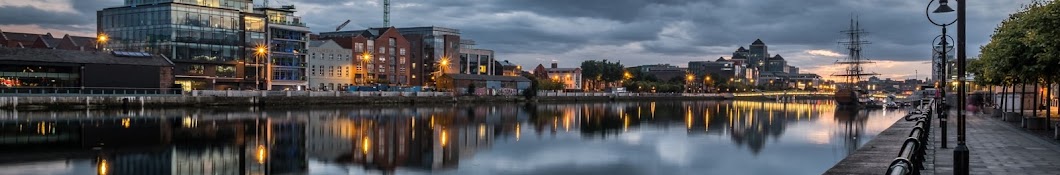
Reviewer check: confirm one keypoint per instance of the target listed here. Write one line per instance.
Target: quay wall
(134, 101)
(313, 98)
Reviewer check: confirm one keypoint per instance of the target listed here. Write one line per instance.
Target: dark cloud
(635, 31)
(30, 15)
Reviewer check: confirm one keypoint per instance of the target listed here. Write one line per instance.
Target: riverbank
(102, 102)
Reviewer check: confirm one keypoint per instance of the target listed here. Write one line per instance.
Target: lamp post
(101, 40)
(366, 57)
(942, 107)
(690, 83)
(961, 152)
(258, 53)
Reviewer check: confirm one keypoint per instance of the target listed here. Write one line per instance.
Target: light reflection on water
(664, 137)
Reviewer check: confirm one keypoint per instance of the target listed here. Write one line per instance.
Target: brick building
(380, 55)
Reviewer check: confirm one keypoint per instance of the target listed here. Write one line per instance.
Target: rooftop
(80, 57)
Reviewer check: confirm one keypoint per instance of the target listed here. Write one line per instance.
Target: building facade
(508, 69)
(205, 39)
(382, 56)
(570, 77)
(330, 66)
(54, 68)
(758, 54)
(288, 40)
(475, 61)
(432, 51)
(717, 70)
(217, 44)
(777, 64)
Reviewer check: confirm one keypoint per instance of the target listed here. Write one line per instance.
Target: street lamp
(366, 57)
(960, 154)
(101, 39)
(259, 52)
(690, 77)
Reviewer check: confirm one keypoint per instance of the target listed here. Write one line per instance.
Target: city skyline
(633, 32)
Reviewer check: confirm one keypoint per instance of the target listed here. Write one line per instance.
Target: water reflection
(665, 137)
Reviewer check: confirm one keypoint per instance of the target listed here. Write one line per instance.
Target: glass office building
(213, 43)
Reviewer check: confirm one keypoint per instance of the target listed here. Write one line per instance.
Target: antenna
(386, 13)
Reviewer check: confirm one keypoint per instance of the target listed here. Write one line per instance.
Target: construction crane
(343, 25)
(386, 13)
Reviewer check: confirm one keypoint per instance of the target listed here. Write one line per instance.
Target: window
(402, 51)
(382, 50)
(359, 47)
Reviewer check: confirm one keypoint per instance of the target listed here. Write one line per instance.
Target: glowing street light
(366, 57)
(101, 39)
(259, 52)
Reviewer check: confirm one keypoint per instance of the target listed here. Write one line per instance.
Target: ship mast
(854, 71)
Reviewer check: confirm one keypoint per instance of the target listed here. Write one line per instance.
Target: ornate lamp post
(961, 152)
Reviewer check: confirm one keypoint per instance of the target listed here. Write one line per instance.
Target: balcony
(289, 23)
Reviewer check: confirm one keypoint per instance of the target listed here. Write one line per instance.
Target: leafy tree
(596, 72)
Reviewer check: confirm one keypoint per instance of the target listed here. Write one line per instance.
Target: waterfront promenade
(877, 154)
(997, 147)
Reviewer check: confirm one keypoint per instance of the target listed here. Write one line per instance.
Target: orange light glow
(261, 154)
(103, 167)
(365, 144)
(444, 138)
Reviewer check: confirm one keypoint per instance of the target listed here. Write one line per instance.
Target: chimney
(555, 65)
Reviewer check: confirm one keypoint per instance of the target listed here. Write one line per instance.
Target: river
(661, 137)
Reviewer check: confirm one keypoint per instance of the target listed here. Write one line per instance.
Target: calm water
(665, 137)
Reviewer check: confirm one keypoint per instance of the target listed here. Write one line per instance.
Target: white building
(570, 77)
(330, 66)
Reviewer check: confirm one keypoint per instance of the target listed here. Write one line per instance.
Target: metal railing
(910, 158)
(23, 91)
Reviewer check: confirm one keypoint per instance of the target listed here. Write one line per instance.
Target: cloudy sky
(635, 32)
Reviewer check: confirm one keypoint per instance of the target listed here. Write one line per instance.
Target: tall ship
(850, 92)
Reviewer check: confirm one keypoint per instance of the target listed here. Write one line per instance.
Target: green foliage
(601, 72)
(549, 84)
(1023, 48)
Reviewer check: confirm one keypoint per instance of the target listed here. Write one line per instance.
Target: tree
(549, 84)
(596, 72)
(1025, 48)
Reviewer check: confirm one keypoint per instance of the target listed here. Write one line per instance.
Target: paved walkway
(875, 156)
(996, 147)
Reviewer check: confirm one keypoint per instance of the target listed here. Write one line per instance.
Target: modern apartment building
(288, 40)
